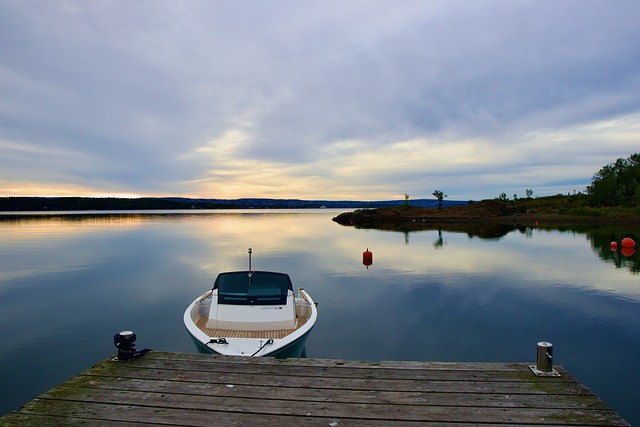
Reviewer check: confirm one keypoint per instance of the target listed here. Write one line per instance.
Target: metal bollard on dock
(544, 362)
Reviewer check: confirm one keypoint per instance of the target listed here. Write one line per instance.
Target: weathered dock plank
(192, 389)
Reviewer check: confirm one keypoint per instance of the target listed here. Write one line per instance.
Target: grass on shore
(576, 205)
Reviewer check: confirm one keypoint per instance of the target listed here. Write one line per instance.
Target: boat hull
(295, 349)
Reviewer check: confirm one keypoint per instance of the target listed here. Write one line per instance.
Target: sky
(334, 100)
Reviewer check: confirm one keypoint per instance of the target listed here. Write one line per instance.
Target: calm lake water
(69, 282)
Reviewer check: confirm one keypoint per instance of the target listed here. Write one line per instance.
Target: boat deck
(196, 389)
(201, 323)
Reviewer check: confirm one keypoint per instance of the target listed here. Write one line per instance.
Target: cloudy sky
(362, 100)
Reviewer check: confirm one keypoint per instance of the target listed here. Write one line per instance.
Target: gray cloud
(129, 97)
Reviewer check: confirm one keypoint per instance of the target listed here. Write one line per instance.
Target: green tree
(529, 193)
(406, 199)
(617, 183)
(439, 195)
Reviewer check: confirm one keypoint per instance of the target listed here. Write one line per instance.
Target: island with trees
(612, 197)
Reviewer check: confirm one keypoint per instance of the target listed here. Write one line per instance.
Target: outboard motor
(125, 342)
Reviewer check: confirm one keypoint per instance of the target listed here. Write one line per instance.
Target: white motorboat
(251, 313)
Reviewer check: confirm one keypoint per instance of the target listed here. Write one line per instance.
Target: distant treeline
(89, 203)
(177, 203)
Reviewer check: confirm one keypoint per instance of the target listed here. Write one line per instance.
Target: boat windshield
(259, 288)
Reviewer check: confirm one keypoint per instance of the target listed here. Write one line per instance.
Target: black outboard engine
(125, 342)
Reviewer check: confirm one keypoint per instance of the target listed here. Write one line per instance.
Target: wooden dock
(197, 390)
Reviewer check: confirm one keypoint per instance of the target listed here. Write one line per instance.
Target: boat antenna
(250, 272)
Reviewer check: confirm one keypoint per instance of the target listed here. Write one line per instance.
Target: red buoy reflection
(626, 251)
(367, 258)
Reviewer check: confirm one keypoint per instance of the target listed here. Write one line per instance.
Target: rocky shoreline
(485, 211)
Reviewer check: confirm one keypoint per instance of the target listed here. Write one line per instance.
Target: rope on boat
(269, 341)
(214, 341)
(224, 341)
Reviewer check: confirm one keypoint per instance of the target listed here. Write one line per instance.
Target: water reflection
(600, 236)
(621, 257)
(472, 229)
(437, 292)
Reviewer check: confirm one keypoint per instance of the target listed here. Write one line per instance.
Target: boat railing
(303, 304)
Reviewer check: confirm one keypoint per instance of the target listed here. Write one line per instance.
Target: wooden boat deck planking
(195, 389)
(201, 322)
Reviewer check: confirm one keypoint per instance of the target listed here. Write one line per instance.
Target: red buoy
(628, 242)
(614, 246)
(367, 258)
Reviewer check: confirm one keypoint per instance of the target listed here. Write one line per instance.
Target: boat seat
(250, 317)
